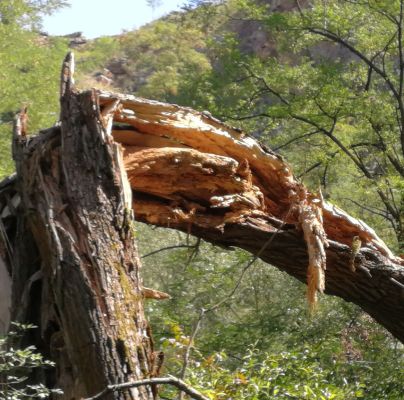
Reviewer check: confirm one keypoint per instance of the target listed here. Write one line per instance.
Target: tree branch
(337, 39)
(188, 348)
(381, 72)
(178, 383)
(388, 16)
(400, 49)
(177, 246)
(372, 210)
(393, 158)
(267, 87)
(369, 79)
(314, 166)
(329, 132)
(295, 139)
(401, 67)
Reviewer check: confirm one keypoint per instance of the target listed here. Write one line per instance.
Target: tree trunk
(67, 227)
(74, 261)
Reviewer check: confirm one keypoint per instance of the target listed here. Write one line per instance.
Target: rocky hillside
(152, 60)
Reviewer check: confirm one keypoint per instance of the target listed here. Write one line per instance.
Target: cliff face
(254, 38)
(283, 5)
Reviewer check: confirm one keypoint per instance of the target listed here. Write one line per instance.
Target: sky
(97, 18)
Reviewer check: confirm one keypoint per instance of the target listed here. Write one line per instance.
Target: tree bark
(74, 261)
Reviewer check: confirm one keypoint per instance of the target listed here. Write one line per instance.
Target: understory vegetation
(322, 85)
(18, 363)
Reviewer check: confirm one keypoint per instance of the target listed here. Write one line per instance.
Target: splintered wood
(311, 221)
(192, 172)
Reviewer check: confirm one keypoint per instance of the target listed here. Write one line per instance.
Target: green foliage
(27, 13)
(285, 375)
(29, 76)
(261, 343)
(16, 366)
(95, 55)
(162, 64)
(342, 351)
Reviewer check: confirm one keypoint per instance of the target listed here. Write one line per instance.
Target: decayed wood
(191, 172)
(154, 294)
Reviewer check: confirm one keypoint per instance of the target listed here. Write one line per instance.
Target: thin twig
(177, 246)
(8, 181)
(188, 349)
(249, 264)
(170, 380)
(195, 250)
(295, 139)
(306, 171)
(372, 210)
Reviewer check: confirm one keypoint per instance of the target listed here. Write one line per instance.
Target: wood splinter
(154, 294)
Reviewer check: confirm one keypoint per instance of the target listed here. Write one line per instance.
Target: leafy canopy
(27, 13)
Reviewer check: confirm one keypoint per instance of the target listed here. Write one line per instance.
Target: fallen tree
(67, 236)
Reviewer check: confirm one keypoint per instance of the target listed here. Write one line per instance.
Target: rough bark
(72, 253)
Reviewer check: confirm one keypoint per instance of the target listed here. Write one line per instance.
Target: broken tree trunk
(67, 220)
(71, 248)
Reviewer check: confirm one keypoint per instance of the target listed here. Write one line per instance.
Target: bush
(16, 366)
